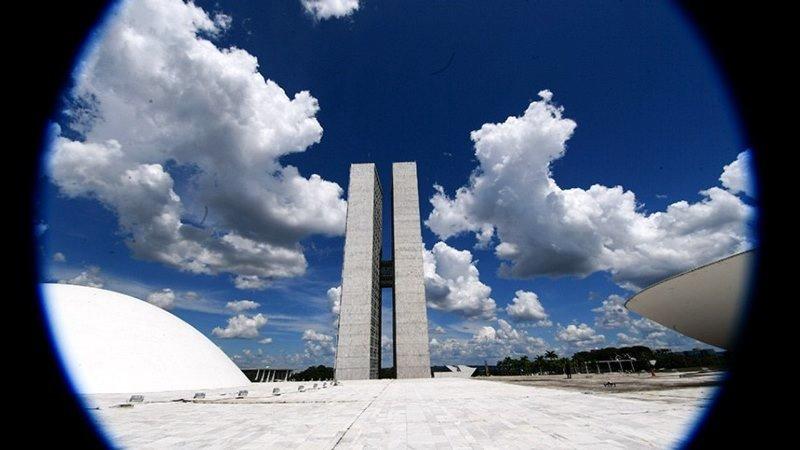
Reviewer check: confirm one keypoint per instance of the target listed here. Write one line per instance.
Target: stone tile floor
(432, 413)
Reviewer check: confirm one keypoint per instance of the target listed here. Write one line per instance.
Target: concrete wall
(411, 353)
(358, 347)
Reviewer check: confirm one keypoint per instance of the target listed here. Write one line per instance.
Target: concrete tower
(364, 273)
(358, 352)
(411, 354)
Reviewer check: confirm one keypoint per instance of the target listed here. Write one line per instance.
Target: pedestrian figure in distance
(568, 370)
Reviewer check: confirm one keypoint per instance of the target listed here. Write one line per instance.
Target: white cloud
(452, 283)
(624, 339)
(335, 298)
(579, 336)
(487, 342)
(242, 327)
(89, 277)
(543, 229)
(40, 228)
(252, 359)
(325, 9)
(128, 284)
(312, 335)
(242, 305)
(265, 341)
(646, 325)
(485, 334)
(738, 176)
(525, 307)
(317, 344)
(155, 95)
(250, 282)
(164, 298)
(59, 257)
(612, 313)
(654, 340)
(387, 343)
(438, 330)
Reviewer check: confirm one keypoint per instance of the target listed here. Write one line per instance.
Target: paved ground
(623, 382)
(434, 413)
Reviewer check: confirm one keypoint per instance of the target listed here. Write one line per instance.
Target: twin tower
(365, 273)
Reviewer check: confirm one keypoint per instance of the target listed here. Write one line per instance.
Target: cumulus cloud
(155, 97)
(487, 342)
(317, 344)
(325, 9)
(164, 298)
(542, 229)
(452, 283)
(387, 343)
(643, 331)
(265, 341)
(40, 228)
(485, 334)
(579, 336)
(612, 313)
(525, 307)
(655, 339)
(241, 305)
(335, 298)
(312, 335)
(89, 277)
(59, 257)
(250, 282)
(738, 176)
(249, 358)
(241, 326)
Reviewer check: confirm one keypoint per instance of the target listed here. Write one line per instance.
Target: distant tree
(526, 366)
(314, 373)
(639, 354)
(505, 366)
(539, 363)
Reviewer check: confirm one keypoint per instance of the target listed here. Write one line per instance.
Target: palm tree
(525, 365)
(550, 354)
(540, 363)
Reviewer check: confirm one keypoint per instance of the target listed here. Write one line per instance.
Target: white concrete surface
(459, 371)
(416, 413)
(359, 335)
(411, 350)
(111, 342)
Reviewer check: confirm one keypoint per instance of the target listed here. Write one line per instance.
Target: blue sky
(644, 108)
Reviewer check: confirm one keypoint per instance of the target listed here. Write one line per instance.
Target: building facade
(365, 272)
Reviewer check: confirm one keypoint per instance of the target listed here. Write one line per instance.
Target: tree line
(635, 358)
(313, 373)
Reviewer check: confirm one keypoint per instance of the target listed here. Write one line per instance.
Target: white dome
(113, 343)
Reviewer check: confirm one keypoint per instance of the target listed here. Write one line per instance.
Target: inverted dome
(705, 303)
(113, 343)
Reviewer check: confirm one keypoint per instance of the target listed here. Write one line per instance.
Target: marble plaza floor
(432, 413)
